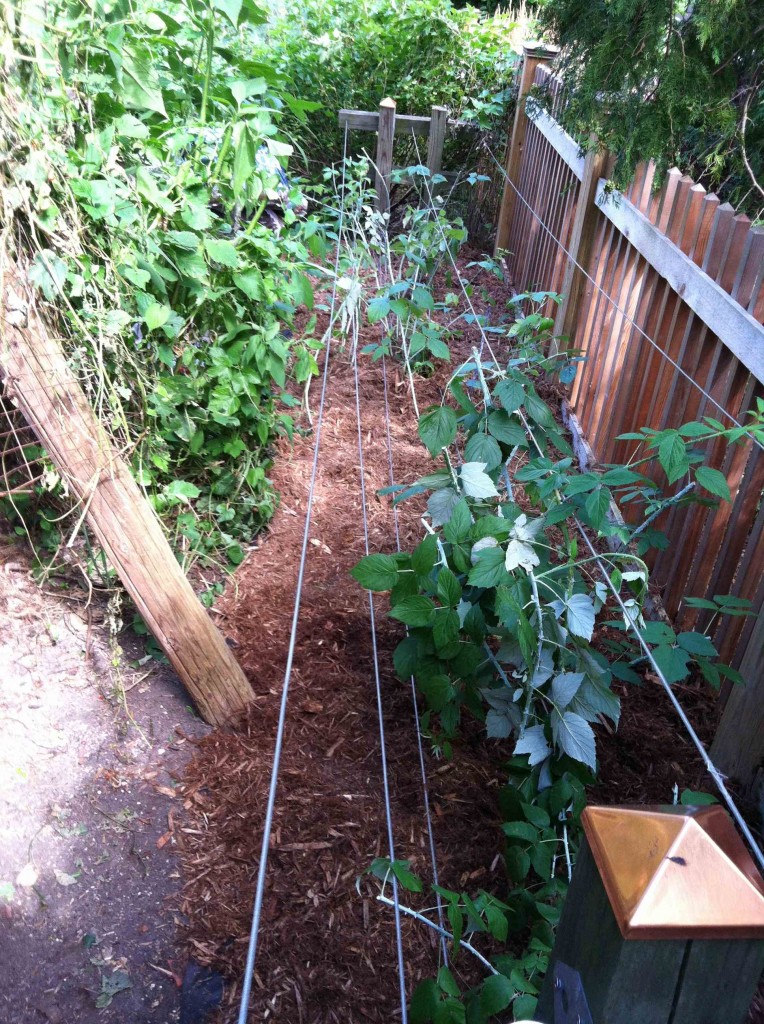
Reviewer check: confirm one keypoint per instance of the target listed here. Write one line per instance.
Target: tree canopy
(681, 82)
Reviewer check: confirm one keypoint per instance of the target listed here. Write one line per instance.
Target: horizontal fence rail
(667, 293)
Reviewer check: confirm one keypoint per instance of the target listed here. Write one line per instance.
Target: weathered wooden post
(663, 922)
(384, 157)
(533, 55)
(45, 390)
(580, 247)
(738, 747)
(438, 125)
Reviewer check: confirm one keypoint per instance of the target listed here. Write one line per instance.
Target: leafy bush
(353, 53)
(130, 135)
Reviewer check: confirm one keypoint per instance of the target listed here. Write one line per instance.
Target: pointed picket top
(676, 872)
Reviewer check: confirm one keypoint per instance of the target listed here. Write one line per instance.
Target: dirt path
(86, 787)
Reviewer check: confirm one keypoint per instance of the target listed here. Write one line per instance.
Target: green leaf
(378, 309)
(697, 644)
(183, 239)
(483, 448)
(713, 481)
(437, 428)
(449, 588)
(489, 570)
(575, 737)
(476, 482)
(140, 85)
(496, 994)
(405, 657)
(579, 615)
(524, 1007)
(673, 662)
(520, 830)
(506, 429)
(183, 489)
(414, 611)
(425, 555)
(376, 572)
(693, 798)
(441, 505)
(538, 410)
(672, 454)
(424, 1002)
(221, 251)
(510, 393)
(518, 863)
(251, 283)
(243, 161)
(406, 877)
(445, 631)
(156, 315)
(459, 524)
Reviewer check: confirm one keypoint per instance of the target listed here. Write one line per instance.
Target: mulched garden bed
(327, 950)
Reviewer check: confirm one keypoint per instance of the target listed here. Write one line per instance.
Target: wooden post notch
(664, 919)
(40, 383)
(533, 55)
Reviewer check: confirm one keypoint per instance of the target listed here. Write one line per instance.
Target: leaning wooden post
(533, 55)
(580, 246)
(40, 383)
(663, 922)
(384, 158)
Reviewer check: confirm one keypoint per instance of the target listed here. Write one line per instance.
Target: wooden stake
(384, 158)
(46, 392)
(533, 55)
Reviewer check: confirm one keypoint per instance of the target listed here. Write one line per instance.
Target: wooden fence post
(663, 921)
(384, 157)
(580, 247)
(533, 55)
(738, 747)
(438, 125)
(40, 383)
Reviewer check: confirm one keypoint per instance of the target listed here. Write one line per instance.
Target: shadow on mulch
(327, 947)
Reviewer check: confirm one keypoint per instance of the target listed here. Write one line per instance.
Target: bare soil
(89, 753)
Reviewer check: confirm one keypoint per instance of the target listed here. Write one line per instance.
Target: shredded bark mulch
(327, 948)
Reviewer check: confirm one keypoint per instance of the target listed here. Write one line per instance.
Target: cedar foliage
(679, 82)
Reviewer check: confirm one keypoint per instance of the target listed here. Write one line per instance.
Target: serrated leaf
(437, 428)
(414, 611)
(378, 309)
(156, 315)
(506, 428)
(672, 454)
(579, 615)
(496, 994)
(673, 662)
(597, 507)
(449, 588)
(483, 448)
(538, 410)
(183, 239)
(520, 830)
(489, 570)
(510, 393)
(459, 524)
(476, 482)
(697, 644)
(376, 572)
(564, 688)
(533, 742)
(442, 504)
(405, 876)
(713, 481)
(251, 283)
(222, 251)
(520, 554)
(575, 737)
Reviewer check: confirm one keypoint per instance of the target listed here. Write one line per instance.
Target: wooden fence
(681, 268)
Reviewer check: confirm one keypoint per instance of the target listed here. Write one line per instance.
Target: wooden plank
(39, 380)
(562, 143)
(533, 55)
(734, 325)
(581, 242)
(384, 158)
(405, 124)
(438, 124)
